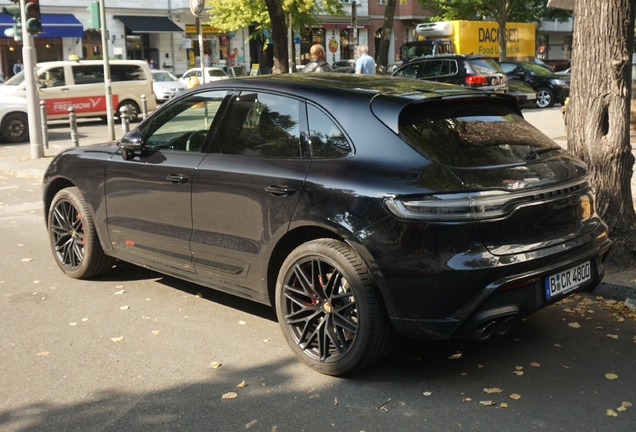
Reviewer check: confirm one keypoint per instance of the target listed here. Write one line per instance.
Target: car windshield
(15, 80)
(471, 135)
(163, 77)
(536, 69)
(485, 66)
(216, 73)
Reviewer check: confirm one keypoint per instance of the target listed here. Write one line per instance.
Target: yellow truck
(471, 37)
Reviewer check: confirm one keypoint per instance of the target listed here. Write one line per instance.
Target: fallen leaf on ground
(117, 339)
(45, 353)
(612, 336)
(574, 325)
(125, 307)
(36, 282)
(463, 373)
(199, 295)
(241, 385)
(503, 405)
(566, 367)
(72, 324)
(492, 390)
(155, 332)
(455, 356)
(568, 310)
(619, 319)
(487, 403)
(427, 393)
(611, 376)
(515, 396)
(627, 404)
(266, 340)
(335, 401)
(242, 322)
(468, 399)
(518, 368)
(557, 345)
(230, 395)
(611, 413)
(621, 409)
(518, 373)
(84, 319)
(26, 260)
(480, 366)
(535, 364)
(120, 292)
(215, 365)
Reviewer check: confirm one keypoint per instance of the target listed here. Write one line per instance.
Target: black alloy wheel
(329, 309)
(73, 238)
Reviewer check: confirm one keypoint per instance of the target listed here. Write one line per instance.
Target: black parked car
(359, 206)
(551, 88)
(473, 71)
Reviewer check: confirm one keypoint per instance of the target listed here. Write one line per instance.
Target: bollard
(45, 133)
(72, 118)
(125, 124)
(144, 106)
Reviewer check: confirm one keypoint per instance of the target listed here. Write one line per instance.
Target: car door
(244, 196)
(148, 197)
(54, 88)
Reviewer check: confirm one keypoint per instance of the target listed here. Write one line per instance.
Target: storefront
(215, 46)
(143, 36)
(48, 44)
(338, 39)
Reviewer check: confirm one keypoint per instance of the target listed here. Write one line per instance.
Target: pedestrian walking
(17, 67)
(317, 62)
(365, 64)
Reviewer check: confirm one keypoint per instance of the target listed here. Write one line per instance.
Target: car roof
(451, 56)
(386, 94)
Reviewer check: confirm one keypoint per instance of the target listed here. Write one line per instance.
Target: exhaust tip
(505, 325)
(488, 330)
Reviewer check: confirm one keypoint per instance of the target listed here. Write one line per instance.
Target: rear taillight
(476, 80)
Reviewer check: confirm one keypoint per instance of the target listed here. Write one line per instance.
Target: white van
(63, 84)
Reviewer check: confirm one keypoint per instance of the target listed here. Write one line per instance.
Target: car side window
(327, 140)
(409, 71)
(88, 74)
(185, 124)
(264, 125)
(53, 77)
(431, 68)
(452, 67)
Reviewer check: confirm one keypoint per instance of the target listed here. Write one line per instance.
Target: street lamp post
(196, 7)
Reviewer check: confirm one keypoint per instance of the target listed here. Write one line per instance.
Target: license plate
(567, 280)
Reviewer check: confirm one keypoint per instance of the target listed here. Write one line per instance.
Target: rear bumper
(437, 291)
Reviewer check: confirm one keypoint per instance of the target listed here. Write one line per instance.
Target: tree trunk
(502, 40)
(279, 35)
(385, 39)
(597, 115)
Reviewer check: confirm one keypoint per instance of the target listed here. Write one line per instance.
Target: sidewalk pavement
(15, 160)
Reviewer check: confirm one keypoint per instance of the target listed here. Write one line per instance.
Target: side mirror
(131, 143)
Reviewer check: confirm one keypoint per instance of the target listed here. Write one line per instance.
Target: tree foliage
(269, 16)
(477, 10)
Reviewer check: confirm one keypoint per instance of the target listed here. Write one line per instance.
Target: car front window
(264, 125)
(15, 80)
(163, 77)
(184, 126)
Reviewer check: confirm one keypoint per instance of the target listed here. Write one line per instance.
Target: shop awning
(53, 26)
(149, 24)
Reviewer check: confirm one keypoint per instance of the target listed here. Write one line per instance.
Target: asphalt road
(60, 369)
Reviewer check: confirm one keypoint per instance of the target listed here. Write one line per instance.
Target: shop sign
(192, 29)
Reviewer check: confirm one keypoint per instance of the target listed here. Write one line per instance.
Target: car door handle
(64, 89)
(177, 178)
(280, 190)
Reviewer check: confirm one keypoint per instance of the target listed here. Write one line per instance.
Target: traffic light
(14, 11)
(93, 19)
(33, 20)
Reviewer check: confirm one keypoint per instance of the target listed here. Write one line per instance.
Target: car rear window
(471, 134)
(485, 66)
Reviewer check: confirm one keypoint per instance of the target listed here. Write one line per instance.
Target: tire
(330, 310)
(73, 238)
(545, 98)
(133, 110)
(15, 128)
